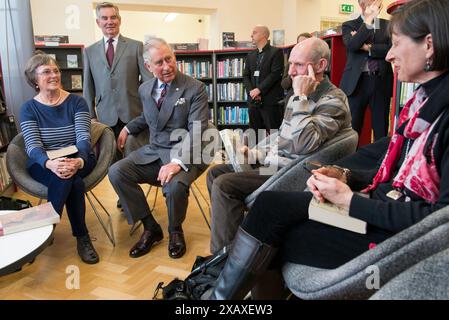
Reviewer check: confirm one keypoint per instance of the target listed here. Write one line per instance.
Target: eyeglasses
(48, 72)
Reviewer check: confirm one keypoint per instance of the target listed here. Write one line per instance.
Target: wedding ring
(171, 173)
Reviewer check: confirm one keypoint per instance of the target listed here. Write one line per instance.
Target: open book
(232, 142)
(63, 152)
(27, 219)
(330, 214)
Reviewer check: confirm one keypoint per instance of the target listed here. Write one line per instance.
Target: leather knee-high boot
(248, 259)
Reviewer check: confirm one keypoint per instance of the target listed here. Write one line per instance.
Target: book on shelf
(233, 115)
(330, 214)
(231, 68)
(5, 178)
(26, 219)
(232, 142)
(54, 39)
(63, 152)
(72, 61)
(231, 92)
(278, 37)
(185, 46)
(228, 39)
(77, 82)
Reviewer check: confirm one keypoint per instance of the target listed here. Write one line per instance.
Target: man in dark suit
(368, 78)
(175, 107)
(113, 71)
(262, 79)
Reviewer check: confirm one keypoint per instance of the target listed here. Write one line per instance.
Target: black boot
(248, 259)
(86, 250)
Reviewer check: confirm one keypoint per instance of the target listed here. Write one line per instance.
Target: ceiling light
(170, 17)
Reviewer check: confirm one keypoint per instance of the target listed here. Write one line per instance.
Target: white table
(20, 248)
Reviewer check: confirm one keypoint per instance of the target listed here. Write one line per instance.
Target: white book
(330, 214)
(27, 219)
(72, 61)
(232, 144)
(63, 152)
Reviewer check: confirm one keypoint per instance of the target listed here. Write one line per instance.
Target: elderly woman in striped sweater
(52, 120)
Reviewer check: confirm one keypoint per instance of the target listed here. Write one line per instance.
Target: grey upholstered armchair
(387, 260)
(293, 177)
(427, 280)
(16, 160)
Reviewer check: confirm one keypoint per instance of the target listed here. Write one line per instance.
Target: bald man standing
(262, 79)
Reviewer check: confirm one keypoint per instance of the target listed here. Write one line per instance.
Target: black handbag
(205, 272)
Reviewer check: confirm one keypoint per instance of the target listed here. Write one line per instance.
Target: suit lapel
(102, 52)
(175, 92)
(121, 47)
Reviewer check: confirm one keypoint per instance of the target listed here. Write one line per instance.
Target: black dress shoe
(176, 245)
(86, 250)
(145, 243)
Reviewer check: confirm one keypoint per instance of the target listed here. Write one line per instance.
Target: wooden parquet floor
(117, 276)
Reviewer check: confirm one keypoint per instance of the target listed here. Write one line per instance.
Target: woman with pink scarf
(410, 183)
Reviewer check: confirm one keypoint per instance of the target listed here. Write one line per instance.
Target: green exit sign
(346, 8)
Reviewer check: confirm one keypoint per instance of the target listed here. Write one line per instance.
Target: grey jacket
(186, 103)
(112, 93)
(307, 124)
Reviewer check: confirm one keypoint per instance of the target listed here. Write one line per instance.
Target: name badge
(395, 194)
(257, 73)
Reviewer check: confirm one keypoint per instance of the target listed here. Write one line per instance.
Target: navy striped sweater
(51, 128)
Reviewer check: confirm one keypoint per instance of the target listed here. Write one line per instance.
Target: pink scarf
(415, 174)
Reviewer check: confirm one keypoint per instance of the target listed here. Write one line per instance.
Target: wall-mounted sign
(346, 8)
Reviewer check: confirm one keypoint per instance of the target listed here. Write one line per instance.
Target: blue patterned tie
(162, 97)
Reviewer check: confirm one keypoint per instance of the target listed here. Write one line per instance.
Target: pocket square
(180, 102)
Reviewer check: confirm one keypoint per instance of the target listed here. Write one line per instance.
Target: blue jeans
(69, 192)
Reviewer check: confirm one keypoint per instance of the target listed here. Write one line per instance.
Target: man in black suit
(368, 78)
(262, 79)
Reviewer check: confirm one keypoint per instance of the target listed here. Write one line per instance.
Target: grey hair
(320, 50)
(39, 58)
(106, 5)
(153, 43)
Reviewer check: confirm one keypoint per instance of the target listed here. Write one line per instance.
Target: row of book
(195, 69)
(5, 178)
(210, 92)
(230, 68)
(231, 92)
(232, 116)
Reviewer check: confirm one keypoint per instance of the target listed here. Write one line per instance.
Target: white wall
(75, 18)
(137, 24)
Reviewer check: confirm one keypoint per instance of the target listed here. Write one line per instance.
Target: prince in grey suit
(172, 101)
(113, 72)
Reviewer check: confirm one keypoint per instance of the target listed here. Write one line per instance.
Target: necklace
(51, 103)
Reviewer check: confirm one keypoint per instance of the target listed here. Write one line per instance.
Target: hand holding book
(328, 188)
(331, 202)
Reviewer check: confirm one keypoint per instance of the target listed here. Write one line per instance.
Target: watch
(345, 172)
(300, 97)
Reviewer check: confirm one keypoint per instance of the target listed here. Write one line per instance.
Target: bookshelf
(199, 65)
(232, 99)
(7, 132)
(222, 73)
(70, 61)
